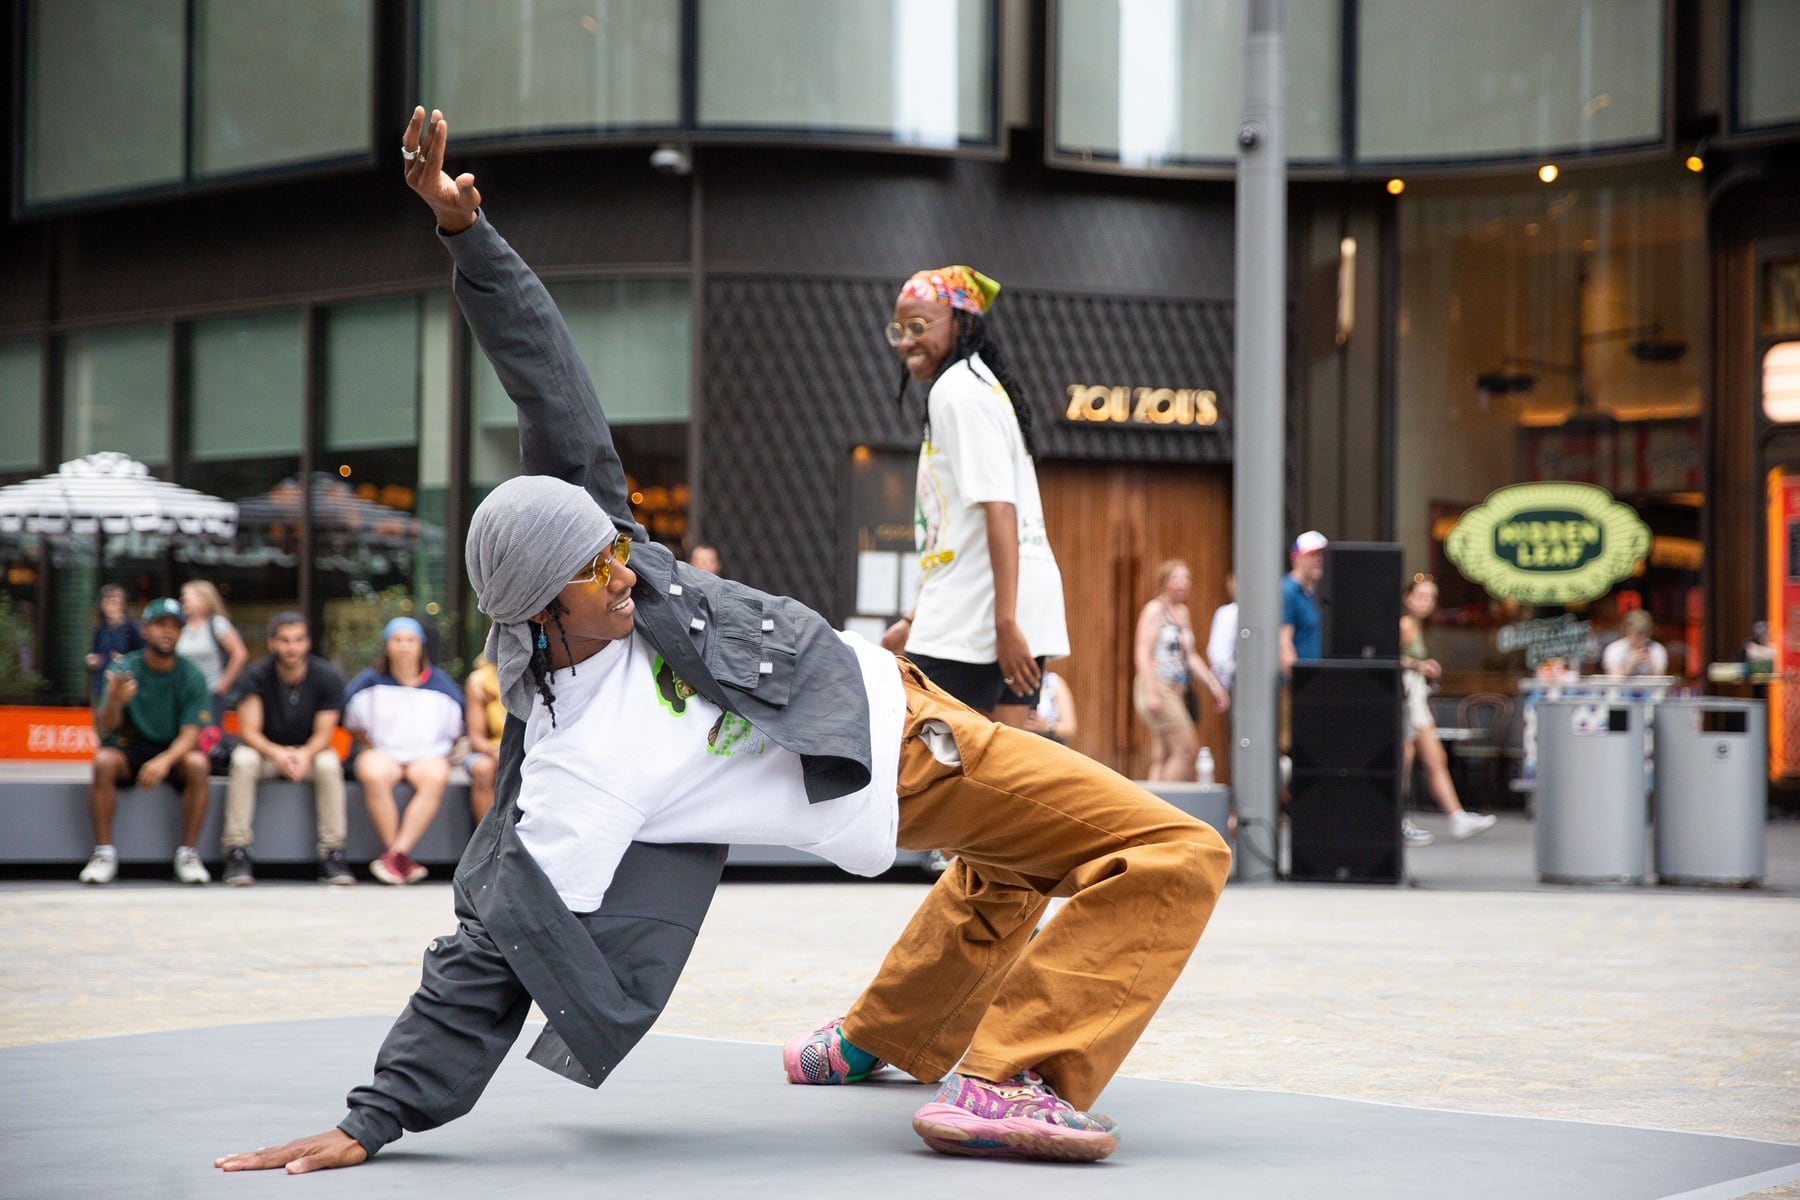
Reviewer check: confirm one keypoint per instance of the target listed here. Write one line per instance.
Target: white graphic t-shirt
(976, 454)
(637, 756)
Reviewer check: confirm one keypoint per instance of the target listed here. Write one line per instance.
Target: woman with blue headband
(407, 717)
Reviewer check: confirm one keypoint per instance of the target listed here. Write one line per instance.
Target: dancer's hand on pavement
(454, 202)
(321, 1151)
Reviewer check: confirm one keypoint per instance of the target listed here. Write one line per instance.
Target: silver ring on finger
(409, 155)
(1007, 680)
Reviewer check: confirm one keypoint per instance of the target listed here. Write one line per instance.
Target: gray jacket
(601, 978)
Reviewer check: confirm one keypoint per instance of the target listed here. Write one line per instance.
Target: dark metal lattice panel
(797, 375)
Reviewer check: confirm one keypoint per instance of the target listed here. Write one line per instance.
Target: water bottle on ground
(1203, 765)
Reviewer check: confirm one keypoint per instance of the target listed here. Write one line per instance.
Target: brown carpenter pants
(1028, 819)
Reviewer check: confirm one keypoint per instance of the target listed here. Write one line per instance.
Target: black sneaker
(334, 870)
(239, 870)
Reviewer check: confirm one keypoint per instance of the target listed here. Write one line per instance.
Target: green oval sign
(1548, 539)
(1548, 543)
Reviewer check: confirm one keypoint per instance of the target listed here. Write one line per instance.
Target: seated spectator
(149, 720)
(408, 718)
(286, 716)
(1635, 653)
(115, 636)
(485, 716)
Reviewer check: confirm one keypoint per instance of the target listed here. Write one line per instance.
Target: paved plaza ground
(1473, 989)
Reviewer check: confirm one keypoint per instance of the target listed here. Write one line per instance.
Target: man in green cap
(149, 720)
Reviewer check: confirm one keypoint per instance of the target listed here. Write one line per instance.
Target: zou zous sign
(1141, 406)
(1548, 543)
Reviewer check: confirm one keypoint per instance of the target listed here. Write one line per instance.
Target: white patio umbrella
(109, 494)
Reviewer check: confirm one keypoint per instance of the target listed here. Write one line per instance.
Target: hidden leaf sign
(1548, 543)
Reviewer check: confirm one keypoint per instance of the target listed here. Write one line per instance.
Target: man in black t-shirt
(287, 713)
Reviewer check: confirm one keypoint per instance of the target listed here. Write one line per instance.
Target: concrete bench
(44, 816)
(44, 820)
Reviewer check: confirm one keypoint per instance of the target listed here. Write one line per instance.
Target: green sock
(860, 1062)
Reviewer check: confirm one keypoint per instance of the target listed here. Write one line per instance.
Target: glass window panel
(248, 386)
(115, 393)
(1781, 298)
(1768, 87)
(1547, 333)
(103, 96)
(633, 337)
(1475, 79)
(372, 366)
(244, 97)
(21, 405)
(1161, 81)
(378, 500)
(552, 64)
(853, 66)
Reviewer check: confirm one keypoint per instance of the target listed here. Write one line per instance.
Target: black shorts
(139, 753)
(978, 685)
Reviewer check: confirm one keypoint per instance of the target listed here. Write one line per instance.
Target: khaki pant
(1028, 819)
(248, 767)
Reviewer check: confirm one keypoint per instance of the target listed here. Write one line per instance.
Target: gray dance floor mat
(144, 1115)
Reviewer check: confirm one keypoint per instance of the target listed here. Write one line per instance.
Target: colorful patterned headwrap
(959, 287)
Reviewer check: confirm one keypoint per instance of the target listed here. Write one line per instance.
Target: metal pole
(1257, 419)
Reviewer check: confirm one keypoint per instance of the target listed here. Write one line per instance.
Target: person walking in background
(485, 717)
(705, 558)
(211, 642)
(1419, 673)
(1054, 716)
(1222, 637)
(287, 716)
(149, 726)
(990, 604)
(1164, 666)
(1300, 633)
(408, 717)
(1635, 652)
(115, 636)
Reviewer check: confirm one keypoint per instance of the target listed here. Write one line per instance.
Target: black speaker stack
(1344, 795)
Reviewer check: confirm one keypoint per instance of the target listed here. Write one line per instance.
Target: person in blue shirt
(1299, 605)
(115, 636)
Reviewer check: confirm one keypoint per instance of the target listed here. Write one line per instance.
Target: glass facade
(552, 65)
(107, 90)
(1551, 334)
(104, 96)
(21, 408)
(244, 97)
(1767, 87)
(1470, 79)
(918, 71)
(115, 393)
(1160, 82)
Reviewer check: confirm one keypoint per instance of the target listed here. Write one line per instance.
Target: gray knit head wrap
(526, 541)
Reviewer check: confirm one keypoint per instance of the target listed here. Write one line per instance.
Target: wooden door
(1111, 526)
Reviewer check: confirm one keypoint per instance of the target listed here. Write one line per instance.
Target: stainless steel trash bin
(1712, 791)
(1591, 810)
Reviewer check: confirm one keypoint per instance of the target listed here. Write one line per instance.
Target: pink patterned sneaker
(1020, 1118)
(818, 1057)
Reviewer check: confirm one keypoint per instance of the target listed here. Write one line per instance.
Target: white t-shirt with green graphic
(976, 454)
(636, 756)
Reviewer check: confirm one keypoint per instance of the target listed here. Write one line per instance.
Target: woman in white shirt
(990, 604)
(211, 642)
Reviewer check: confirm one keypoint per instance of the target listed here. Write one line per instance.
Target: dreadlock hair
(539, 663)
(972, 337)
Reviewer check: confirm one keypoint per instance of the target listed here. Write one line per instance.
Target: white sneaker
(103, 867)
(1465, 825)
(189, 868)
(1414, 835)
